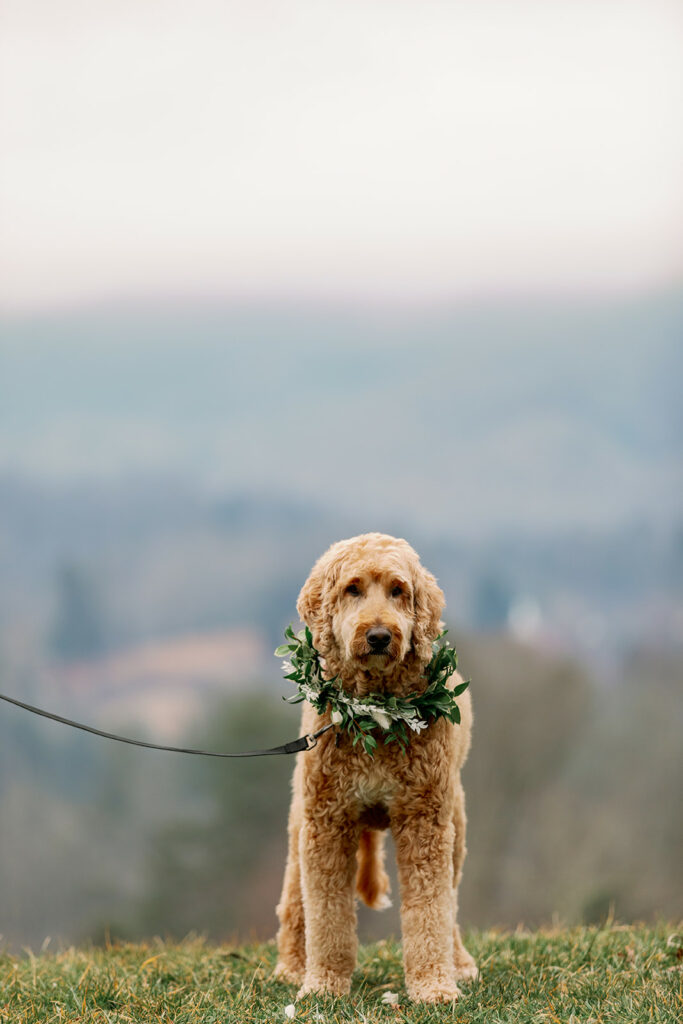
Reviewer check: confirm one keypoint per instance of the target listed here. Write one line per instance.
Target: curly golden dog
(374, 612)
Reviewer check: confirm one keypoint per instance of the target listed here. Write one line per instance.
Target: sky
(403, 151)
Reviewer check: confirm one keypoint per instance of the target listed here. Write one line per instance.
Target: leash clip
(311, 741)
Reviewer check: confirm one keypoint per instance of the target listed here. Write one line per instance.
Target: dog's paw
(439, 992)
(284, 973)
(466, 969)
(332, 984)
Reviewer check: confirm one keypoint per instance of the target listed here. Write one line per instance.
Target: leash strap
(306, 742)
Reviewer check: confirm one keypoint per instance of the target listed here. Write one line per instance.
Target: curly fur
(343, 800)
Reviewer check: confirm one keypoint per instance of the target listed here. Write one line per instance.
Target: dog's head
(371, 605)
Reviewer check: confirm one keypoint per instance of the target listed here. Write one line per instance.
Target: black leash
(306, 742)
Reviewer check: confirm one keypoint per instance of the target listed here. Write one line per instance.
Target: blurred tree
(219, 870)
(78, 630)
(531, 712)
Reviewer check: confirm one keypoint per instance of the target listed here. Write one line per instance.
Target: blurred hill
(466, 420)
(159, 559)
(163, 687)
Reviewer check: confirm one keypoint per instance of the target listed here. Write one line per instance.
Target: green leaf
(370, 743)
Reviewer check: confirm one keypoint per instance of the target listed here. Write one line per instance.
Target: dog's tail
(372, 881)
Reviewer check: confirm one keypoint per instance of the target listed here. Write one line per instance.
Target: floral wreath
(396, 717)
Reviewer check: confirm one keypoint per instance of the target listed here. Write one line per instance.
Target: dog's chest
(374, 785)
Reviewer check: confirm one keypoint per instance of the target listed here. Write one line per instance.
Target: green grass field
(578, 976)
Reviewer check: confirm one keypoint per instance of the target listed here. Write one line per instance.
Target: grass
(615, 973)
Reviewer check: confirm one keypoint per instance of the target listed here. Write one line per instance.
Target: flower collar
(392, 717)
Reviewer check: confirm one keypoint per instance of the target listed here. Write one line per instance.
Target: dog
(374, 613)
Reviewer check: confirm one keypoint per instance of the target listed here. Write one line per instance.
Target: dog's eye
(352, 589)
(396, 591)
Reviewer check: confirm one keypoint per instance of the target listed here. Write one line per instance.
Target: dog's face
(370, 603)
(372, 616)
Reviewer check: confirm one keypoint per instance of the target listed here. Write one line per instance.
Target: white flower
(287, 667)
(391, 998)
(382, 718)
(336, 717)
(290, 1011)
(416, 724)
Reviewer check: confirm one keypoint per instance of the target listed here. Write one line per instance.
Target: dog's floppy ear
(310, 601)
(429, 603)
(315, 599)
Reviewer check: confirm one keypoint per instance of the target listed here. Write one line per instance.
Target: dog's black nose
(378, 637)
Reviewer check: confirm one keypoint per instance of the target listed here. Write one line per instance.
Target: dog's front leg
(424, 856)
(328, 863)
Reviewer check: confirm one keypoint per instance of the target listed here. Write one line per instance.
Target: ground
(615, 974)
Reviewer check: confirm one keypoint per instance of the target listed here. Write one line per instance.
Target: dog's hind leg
(465, 967)
(291, 938)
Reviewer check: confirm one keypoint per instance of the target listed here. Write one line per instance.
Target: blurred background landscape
(272, 288)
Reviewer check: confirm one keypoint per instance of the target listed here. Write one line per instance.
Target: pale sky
(349, 148)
